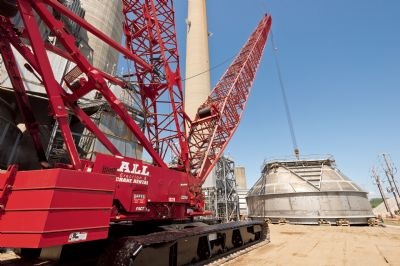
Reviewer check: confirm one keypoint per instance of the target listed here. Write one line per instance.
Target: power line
(212, 68)
(198, 74)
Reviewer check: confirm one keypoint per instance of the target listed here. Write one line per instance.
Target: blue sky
(341, 68)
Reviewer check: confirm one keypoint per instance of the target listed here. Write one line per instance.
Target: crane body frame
(150, 31)
(76, 202)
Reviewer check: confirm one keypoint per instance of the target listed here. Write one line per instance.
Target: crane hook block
(297, 153)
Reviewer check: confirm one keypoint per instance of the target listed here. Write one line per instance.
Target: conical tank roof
(307, 191)
(292, 176)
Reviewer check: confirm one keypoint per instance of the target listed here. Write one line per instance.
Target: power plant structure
(16, 145)
(108, 18)
(220, 191)
(106, 160)
(242, 190)
(197, 77)
(220, 187)
(307, 191)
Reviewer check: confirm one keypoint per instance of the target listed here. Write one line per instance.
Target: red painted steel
(6, 181)
(219, 116)
(94, 79)
(56, 103)
(57, 91)
(46, 206)
(58, 96)
(54, 207)
(21, 96)
(144, 191)
(90, 28)
(150, 32)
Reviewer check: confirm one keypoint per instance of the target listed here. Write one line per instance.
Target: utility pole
(377, 180)
(390, 177)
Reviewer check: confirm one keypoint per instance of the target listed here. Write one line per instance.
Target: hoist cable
(285, 101)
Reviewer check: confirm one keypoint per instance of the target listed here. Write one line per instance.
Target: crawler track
(180, 244)
(194, 246)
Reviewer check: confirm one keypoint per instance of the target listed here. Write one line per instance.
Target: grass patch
(375, 202)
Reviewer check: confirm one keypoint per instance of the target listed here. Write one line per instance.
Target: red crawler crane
(72, 203)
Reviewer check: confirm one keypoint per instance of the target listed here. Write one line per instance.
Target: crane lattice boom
(151, 47)
(219, 116)
(150, 33)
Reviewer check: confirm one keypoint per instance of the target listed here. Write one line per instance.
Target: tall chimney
(197, 84)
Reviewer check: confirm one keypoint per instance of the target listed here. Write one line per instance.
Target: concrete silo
(307, 192)
(107, 16)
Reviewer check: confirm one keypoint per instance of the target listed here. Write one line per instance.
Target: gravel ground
(326, 245)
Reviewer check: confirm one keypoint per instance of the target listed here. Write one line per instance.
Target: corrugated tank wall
(307, 192)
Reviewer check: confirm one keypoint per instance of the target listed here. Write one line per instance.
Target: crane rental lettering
(133, 173)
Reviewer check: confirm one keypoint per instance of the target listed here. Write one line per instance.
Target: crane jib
(218, 118)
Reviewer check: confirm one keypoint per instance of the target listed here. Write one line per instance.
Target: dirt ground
(326, 245)
(320, 245)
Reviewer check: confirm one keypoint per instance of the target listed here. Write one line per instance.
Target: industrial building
(221, 196)
(141, 179)
(307, 191)
(16, 143)
(242, 190)
(220, 191)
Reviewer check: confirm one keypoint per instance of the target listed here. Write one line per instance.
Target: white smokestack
(197, 86)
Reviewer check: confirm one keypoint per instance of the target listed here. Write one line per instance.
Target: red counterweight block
(56, 207)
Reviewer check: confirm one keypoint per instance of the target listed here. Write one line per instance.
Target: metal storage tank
(311, 191)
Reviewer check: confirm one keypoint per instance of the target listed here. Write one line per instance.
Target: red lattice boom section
(219, 116)
(150, 33)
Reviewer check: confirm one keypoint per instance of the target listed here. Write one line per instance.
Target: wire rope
(285, 100)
